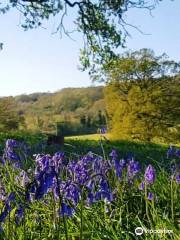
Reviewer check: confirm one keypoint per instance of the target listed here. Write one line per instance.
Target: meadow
(88, 189)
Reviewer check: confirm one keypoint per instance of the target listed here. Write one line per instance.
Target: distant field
(87, 137)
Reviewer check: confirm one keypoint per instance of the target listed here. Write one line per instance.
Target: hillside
(41, 111)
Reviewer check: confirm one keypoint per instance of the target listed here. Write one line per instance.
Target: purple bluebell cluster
(7, 207)
(173, 152)
(11, 153)
(71, 182)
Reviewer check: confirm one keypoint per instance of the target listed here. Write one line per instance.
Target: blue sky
(38, 61)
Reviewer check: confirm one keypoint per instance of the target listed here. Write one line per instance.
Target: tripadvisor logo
(139, 231)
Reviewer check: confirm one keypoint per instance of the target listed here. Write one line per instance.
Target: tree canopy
(141, 66)
(143, 96)
(10, 119)
(101, 22)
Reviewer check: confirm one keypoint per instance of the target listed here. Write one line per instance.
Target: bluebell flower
(122, 163)
(58, 160)
(132, 169)
(103, 130)
(90, 198)
(97, 164)
(178, 153)
(141, 186)
(11, 143)
(45, 183)
(113, 154)
(11, 197)
(104, 191)
(66, 210)
(12, 155)
(19, 214)
(150, 196)
(80, 173)
(178, 178)
(5, 212)
(119, 165)
(149, 175)
(70, 192)
(171, 151)
(101, 195)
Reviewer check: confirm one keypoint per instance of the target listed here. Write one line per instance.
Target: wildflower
(5, 212)
(66, 210)
(7, 207)
(141, 186)
(19, 214)
(12, 155)
(11, 143)
(149, 175)
(113, 154)
(122, 163)
(45, 182)
(103, 130)
(104, 191)
(178, 178)
(57, 160)
(170, 151)
(24, 178)
(133, 169)
(11, 197)
(90, 198)
(80, 173)
(150, 196)
(118, 168)
(70, 192)
(178, 153)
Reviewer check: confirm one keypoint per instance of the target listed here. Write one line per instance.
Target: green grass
(85, 137)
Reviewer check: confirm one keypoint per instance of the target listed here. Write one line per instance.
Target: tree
(88, 121)
(143, 97)
(9, 117)
(140, 66)
(83, 120)
(101, 22)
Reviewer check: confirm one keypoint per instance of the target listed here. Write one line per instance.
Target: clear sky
(38, 61)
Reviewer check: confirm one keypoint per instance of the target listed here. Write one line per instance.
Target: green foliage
(140, 66)
(41, 111)
(143, 98)
(9, 117)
